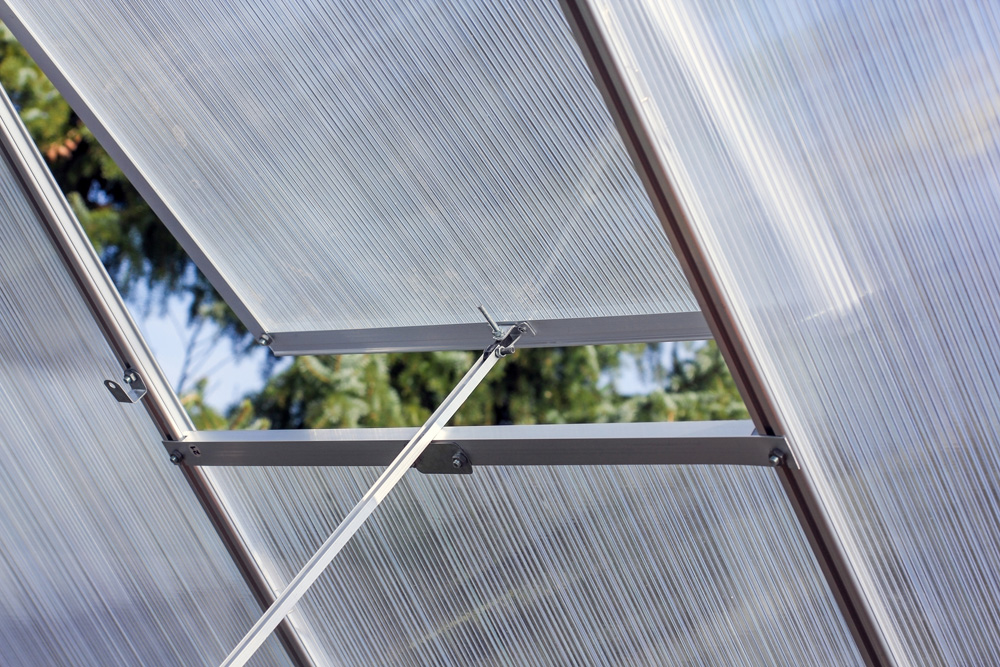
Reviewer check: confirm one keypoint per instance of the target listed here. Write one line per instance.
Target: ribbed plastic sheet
(641, 565)
(106, 556)
(346, 165)
(839, 163)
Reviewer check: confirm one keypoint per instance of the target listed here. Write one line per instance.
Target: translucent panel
(540, 566)
(346, 166)
(839, 162)
(106, 557)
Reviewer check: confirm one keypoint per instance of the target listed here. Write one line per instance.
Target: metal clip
(132, 391)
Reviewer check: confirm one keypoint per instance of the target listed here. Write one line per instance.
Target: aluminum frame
(654, 443)
(126, 342)
(548, 333)
(804, 498)
(553, 333)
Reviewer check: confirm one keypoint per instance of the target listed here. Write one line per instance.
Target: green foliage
(207, 418)
(534, 386)
(562, 385)
(698, 387)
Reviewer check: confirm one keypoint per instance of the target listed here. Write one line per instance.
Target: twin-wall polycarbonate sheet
(99, 564)
(838, 162)
(648, 565)
(342, 165)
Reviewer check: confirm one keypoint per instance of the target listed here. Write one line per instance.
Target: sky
(167, 332)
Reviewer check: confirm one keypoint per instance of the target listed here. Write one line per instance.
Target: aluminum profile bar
(661, 443)
(548, 333)
(625, 110)
(379, 490)
(126, 342)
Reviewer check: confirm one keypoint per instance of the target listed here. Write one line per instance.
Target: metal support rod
(626, 112)
(379, 490)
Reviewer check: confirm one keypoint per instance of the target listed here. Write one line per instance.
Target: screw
(494, 327)
(777, 458)
(176, 457)
(458, 460)
(265, 339)
(130, 377)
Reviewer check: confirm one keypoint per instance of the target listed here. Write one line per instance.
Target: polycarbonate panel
(648, 565)
(383, 164)
(839, 164)
(106, 557)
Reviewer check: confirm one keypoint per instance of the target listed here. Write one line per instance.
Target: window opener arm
(383, 485)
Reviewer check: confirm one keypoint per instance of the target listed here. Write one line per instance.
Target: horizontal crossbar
(677, 443)
(474, 336)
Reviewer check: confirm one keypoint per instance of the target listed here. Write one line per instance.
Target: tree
(561, 385)
(698, 386)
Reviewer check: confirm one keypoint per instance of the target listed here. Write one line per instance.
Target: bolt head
(458, 460)
(264, 340)
(176, 457)
(776, 458)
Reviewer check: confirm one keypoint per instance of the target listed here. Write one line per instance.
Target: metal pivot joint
(505, 346)
(503, 341)
(131, 390)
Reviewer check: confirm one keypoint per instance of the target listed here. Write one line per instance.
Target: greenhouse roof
(814, 186)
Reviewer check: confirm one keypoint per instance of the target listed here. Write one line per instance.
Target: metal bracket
(444, 458)
(504, 340)
(505, 345)
(132, 391)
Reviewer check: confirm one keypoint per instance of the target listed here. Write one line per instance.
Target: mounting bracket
(132, 391)
(444, 458)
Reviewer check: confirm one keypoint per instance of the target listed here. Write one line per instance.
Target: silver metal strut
(379, 490)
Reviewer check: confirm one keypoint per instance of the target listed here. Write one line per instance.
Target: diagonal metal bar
(625, 110)
(379, 490)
